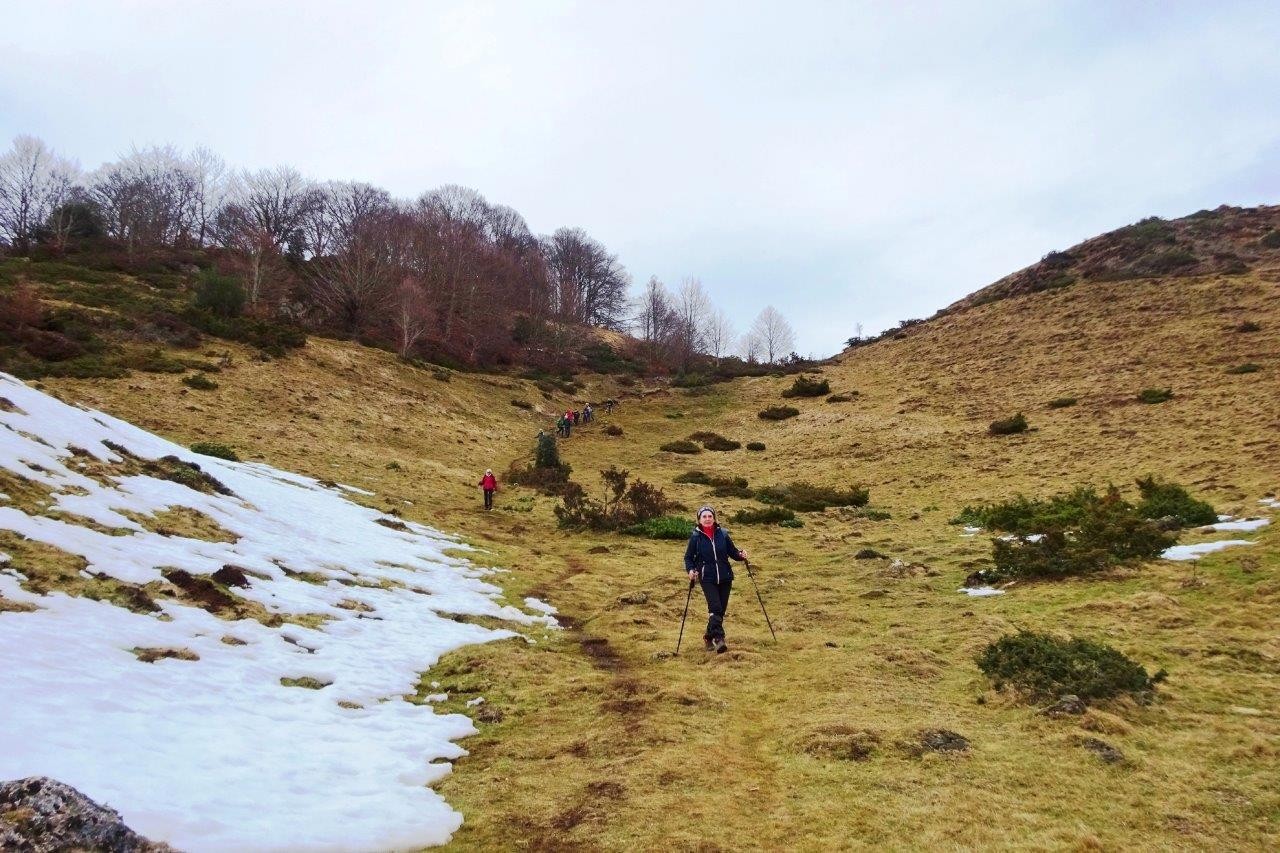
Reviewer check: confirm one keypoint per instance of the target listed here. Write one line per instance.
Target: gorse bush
(546, 453)
(694, 477)
(199, 382)
(803, 386)
(721, 443)
(755, 445)
(1024, 515)
(613, 429)
(1109, 532)
(547, 474)
(765, 515)
(682, 446)
(1044, 667)
(1247, 367)
(778, 413)
(1169, 500)
(220, 451)
(1155, 395)
(624, 505)
(1009, 426)
(1062, 402)
(730, 487)
(1249, 326)
(807, 497)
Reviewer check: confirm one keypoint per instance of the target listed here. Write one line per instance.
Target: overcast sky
(847, 162)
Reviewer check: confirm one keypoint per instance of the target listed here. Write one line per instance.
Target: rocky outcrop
(40, 814)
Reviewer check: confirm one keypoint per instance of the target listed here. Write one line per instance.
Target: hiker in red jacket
(490, 485)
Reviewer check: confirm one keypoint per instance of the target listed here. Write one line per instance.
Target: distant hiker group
(575, 417)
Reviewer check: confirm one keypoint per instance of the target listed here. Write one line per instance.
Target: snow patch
(216, 753)
(1195, 552)
(1242, 526)
(980, 591)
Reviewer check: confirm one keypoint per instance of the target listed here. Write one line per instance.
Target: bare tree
(354, 286)
(750, 346)
(147, 198)
(718, 333)
(34, 181)
(655, 320)
(775, 335)
(692, 311)
(276, 202)
(410, 316)
(591, 286)
(211, 185)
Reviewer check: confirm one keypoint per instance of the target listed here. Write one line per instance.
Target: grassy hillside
(601, 739)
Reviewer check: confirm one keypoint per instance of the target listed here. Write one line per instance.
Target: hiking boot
(720, 647)
(708, 645)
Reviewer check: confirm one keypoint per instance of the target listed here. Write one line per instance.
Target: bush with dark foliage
(803, 386)
(1009, 426)
(1044, 667)
(778, 413)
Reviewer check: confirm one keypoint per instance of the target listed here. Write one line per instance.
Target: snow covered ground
(215, 753)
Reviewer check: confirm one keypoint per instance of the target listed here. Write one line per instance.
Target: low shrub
(869, 554)
(1247, 367)
(755, 445)
(778, 413)
(1109, 532)
(51, 346)
(199, 382)
(803, 386)
(765, 515)
(1024, 516)
(875, 515)
(220, 295)
(682, 446)
(675, 416)
(274, 339)
(1162, 500)
(1062, 402)
(625, 504)
(663, 527)
(807, 497)
(721, 443)
(219, 451)
(152, 361)
(613, 429)
(840, 398)
(791, 522)
(690, 380)
(1155, 395)
(730, 487)
(1009, 426)
(1045, 667)
(521, 404)
(694, 477)
(549, 481)
(1249, 326)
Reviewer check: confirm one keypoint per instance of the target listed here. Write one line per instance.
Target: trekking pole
(761, 600)
(680, 639)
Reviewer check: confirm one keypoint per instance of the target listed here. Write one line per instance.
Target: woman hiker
(706, 559)
(490, 485)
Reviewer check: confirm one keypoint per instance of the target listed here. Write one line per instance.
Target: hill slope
(600, 739)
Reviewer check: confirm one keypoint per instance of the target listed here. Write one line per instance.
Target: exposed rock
(868, 554)
(1067, 705)
(942, 740)
(1103, 750)
(639, 597)
(38, 814)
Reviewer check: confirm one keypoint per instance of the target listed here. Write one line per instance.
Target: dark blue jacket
(710, 554)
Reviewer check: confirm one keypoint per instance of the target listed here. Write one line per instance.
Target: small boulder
(231, 576)
(943, 740)
(1066, 706)
(1108, 753)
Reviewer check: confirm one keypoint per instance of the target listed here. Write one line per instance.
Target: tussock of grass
(1062, 402)
(809, 497)
(778, 413)
(684, 446)
(803, 386)
(1009, 426)
(1155, 395)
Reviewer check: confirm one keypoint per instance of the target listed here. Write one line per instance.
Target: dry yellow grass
(598, 739)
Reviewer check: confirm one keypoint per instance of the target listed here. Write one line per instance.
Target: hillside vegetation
(868, 724)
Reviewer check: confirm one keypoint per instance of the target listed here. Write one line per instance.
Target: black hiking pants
(488, 498)
(717, 595)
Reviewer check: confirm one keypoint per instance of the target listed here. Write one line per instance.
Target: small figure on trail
(490, 485)
(706, 559)
(587, 414)
(568, 424)
(608, 406)
(576, 417)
